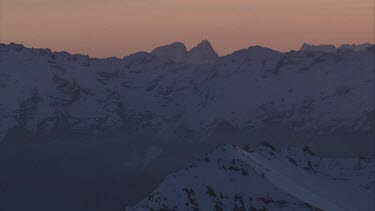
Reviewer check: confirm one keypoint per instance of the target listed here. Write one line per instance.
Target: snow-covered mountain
(52, 94)
(144, 115)
(266, 178)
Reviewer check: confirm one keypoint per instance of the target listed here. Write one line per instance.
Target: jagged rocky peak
(322, 48)
(174, 51)
(203, 53)
(354, 47)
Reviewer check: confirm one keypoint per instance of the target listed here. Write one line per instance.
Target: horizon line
(220, 55)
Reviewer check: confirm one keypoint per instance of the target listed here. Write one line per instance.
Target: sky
(104, 28)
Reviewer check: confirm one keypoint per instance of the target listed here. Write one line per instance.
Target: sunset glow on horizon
(120, 27)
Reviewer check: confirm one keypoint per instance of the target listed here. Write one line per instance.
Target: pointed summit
(175, 51)
(203, 53)
(204, 44)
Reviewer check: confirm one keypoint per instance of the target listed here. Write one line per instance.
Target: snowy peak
(322, 48)
(203, 53)
(175, 51)
(266, 178)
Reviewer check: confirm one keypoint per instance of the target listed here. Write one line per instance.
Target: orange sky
(104, 28)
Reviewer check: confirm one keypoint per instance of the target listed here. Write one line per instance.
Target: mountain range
(111, 129)
(55, 94)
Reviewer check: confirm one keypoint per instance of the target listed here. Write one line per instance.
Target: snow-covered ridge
(266, 178)
(49, 93)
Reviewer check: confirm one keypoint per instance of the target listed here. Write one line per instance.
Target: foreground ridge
(266, 178)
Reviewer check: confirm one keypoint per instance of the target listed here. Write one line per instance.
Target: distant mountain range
(53, 94)
(144, 115)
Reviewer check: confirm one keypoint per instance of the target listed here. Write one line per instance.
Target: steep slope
(51, 94)
(203, 53)
(266, 178)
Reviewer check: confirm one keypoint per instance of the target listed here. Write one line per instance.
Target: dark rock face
(175, 51)
(203, 53)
